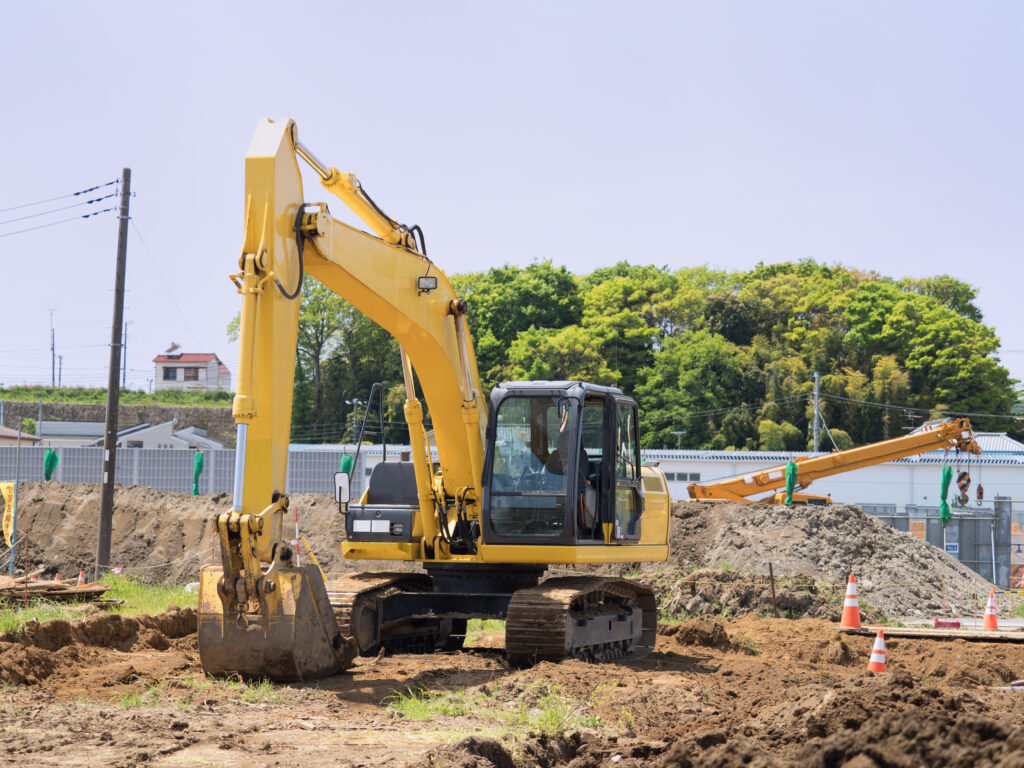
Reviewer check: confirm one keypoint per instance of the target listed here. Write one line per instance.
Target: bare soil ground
(750, 691)
(727, 688)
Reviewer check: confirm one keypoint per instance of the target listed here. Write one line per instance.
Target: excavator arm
(384, 277)
(953, 434)
(253, 616)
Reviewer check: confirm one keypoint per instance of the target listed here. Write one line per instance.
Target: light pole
(355, 402)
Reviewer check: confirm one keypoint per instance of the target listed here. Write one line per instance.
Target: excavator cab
(562, 465)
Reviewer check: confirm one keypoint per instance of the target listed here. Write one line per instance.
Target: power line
(907, 409)
(58, 210)
(718, 411)
(59, 197)
(162, 280)
(55, 223)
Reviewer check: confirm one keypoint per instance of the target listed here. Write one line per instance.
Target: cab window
(529, 477)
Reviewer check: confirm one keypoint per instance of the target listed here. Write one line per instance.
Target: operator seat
(393, 482)
(586, 491)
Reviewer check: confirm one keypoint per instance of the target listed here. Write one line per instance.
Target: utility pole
(53, 366)
(17, 482)
(124, 356)
(113, 391)
(817, 408)
(60, 370)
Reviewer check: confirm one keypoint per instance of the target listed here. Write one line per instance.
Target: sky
(881, 135)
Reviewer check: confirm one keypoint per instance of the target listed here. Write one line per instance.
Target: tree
(739, 431)
(949, 357)
(889, 385)
(779, 437)
(948, 291)
(694, 379)
(843, 441)
(506, 300)
(564, 354)
(364, 353)
(321, 318)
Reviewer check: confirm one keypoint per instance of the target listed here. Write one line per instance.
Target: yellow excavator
(542, 473)
(949, 434)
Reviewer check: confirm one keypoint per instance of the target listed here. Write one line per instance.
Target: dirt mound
(37, 651)
(897, 573)
(709, 634)
(157, 536)
(864, 721)
(108, 630)
(470, 752)
(168, 536)
(542, 751)
(937, 740)
(706, 592)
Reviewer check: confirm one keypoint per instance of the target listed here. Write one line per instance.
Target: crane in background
(951, 435)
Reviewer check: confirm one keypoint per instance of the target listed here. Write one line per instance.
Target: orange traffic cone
(991, 621)
(81, 579)
(877, 661)
(851, 610)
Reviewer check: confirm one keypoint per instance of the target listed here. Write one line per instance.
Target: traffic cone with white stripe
(877, 661)
(81, 579)
(851, 610)
(991, 620)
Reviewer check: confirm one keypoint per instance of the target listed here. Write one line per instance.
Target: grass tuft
(537, 707)
(142, 597)
(477, 628)
(749, 645)
(138, 596)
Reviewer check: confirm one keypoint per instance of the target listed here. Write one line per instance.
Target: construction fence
(986, 537)
(309, 471)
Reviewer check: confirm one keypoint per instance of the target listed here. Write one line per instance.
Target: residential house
(55, 434)
(197, 439)
(190, 370)
(9, 436)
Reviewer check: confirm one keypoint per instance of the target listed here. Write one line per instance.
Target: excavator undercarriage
(589, 617)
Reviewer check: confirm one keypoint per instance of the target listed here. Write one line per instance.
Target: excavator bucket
(293, 637)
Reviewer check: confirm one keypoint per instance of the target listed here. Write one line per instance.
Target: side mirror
(341, 488)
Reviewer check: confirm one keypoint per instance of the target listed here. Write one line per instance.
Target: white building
(190, 370)
(81, 434)
(914, 480)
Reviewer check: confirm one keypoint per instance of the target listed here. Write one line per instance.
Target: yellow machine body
(258, 607)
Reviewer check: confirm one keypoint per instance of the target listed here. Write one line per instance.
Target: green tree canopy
(715, 358)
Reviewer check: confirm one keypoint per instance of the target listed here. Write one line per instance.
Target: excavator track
(354, 601)
(587, 617)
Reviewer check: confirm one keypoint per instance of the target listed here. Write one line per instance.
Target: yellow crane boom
(952, 434)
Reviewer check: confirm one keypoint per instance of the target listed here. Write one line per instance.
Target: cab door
(629, 499)
(622, 500)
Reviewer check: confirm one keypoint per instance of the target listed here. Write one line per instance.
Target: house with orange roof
(190, 370)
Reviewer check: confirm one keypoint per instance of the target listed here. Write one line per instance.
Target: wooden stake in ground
(771, 575)
(113, 390)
